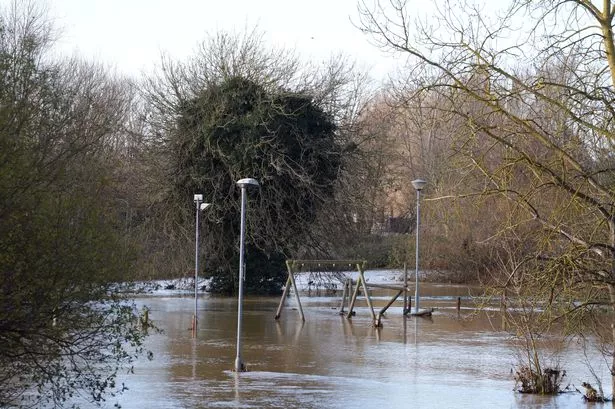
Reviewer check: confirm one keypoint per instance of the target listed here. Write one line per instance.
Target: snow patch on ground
(305, 280)
(324, 279)
(169, 287)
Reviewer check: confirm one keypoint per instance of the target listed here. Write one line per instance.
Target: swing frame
(293, 267)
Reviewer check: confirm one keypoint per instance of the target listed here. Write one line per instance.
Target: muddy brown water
(453, 360)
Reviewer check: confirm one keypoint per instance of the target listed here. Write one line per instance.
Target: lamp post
(243, 184)
(200, 206)
(418, 184)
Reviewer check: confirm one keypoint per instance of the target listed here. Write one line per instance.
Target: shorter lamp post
(418, 184)
(243, 184)
(200, 206)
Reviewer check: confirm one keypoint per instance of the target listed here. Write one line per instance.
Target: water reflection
(237, 376)
(452, 360)
(194, 358)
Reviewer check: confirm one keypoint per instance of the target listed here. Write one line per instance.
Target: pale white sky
(131, 34)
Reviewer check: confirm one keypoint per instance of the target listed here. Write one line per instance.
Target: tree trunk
(611, 287)
(612, 369)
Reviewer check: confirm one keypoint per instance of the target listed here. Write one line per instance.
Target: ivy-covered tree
(238, 129)
(237, 110)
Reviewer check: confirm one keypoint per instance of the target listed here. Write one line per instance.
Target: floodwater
(452, 360)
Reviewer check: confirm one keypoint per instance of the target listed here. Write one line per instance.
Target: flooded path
(447, 361)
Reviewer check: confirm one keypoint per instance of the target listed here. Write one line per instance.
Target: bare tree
(533, 84)
(63, 329)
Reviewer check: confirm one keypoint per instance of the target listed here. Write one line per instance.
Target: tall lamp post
(243, 184)
(418, 184)
(200, 206)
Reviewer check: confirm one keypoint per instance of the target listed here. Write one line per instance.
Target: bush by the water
(545, 383)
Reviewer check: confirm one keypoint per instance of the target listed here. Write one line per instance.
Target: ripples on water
(448, 361)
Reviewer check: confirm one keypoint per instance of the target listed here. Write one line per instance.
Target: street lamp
(243, 184)
(418, 184)
(200, 206)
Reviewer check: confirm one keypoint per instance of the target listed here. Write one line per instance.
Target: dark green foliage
(264, 273)
(237, 129)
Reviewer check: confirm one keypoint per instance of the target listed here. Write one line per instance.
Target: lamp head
(205, 206)
(198, 197)
(247, 182)
(419, 184)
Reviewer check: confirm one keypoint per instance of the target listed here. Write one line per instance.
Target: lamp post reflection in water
(418, 184)
(243, 184)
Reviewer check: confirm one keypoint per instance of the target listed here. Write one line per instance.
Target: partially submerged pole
(418, 184)
(198, 198)
(243, 184)
(200, 206)
(406, 309)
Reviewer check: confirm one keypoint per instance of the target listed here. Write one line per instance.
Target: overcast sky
(131, 34)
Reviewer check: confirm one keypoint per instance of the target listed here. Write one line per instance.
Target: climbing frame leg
(292, 280)
(284, 295)
(355, 293)
(289, 281)
(345, 293)
(365, 290)
(386, 307)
